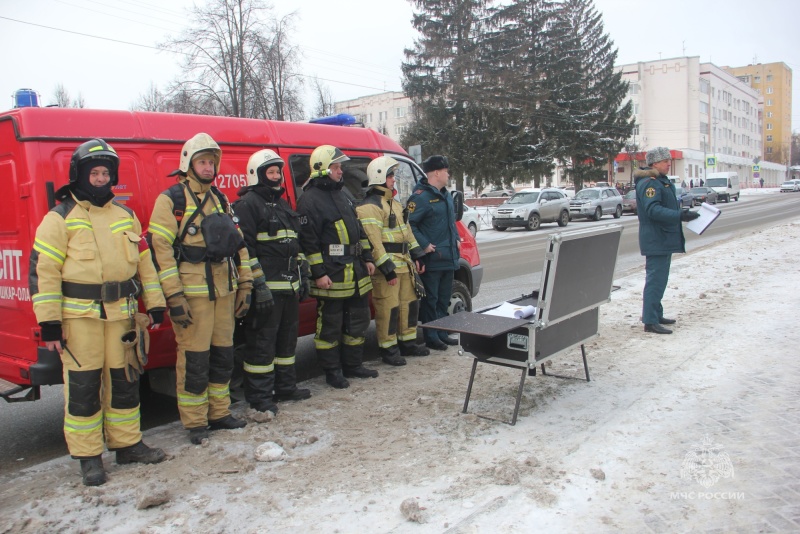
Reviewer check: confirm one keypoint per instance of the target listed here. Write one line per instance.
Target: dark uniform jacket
(660, 229)
(432, 218)
(333, 240)
(271, 230)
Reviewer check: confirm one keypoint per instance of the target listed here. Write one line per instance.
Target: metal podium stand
(576, 279)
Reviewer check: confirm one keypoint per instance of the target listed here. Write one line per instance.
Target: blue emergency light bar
(342, 119)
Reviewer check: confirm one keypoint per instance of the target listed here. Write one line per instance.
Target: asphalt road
(33, 432)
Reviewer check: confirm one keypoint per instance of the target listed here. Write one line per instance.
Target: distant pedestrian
(701, 182)
(691, 183)
(762, 183)
(660, 233)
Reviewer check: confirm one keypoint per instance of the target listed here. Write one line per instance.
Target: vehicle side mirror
(458, 204)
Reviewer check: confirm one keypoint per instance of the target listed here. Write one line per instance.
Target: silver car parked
(531, 207)
(594, 202)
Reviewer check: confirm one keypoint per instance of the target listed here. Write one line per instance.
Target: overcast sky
(355, 46)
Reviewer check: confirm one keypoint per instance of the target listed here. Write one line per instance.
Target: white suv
(531, 207)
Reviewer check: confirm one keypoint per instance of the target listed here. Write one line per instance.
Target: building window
(769, 101)
(635, 108)
(769, 114)
(769, 77)
(769, 150)
(769, 126)
(758, 79)
(704, 85)
(400, 129)
(633, 89)
(769, 139)
(769, 90)
(383, 115)
(636, 130)
(399, 113)
(704, 107)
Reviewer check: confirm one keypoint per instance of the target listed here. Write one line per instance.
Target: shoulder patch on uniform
(411, 207)
(650, 192)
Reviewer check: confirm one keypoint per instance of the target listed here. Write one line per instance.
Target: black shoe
(140, 454)
(296, 395)
(412, 349)
(228, 422)
(436, 345)
(394, 359)
(448, 340)
(197, 435)
(335, 379)
(656, 329)
(265, 406)
(360, 372)
(93, 472)
(664, 320)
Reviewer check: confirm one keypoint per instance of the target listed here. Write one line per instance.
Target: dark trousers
(270, 350)
(655, 282)
(341, 327)
(438, 288)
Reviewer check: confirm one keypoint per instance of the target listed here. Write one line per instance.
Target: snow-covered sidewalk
(615, 454)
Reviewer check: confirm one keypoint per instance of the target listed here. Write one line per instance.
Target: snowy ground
(395, 454)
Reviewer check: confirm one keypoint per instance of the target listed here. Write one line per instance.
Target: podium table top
(476, 323)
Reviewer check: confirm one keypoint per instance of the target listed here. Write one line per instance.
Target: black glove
(264, 300)
(305, 288)
(157, 314)
(687, 215)
(51, 331)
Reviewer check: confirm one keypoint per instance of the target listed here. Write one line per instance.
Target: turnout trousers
(341, 327)
(269, 361)
(438, 288)
(396, 309)
(98, 398)
(655, 283)
(205, 361)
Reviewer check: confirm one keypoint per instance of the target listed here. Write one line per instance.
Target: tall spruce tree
(584, 111)
(440, 78)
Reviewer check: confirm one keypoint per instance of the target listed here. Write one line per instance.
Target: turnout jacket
(185, 277)
(80, 243)
(333, 240)
(660, 228)
(271, 230)
(391, 239)
(432, 217)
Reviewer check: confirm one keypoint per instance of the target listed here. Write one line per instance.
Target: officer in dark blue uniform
(660, 233)
(432, 218)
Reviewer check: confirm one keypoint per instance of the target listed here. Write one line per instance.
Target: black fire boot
(335, 378)
(664, 320)
(265, 405)
(447, 339)
(141, 454)
(297, 394)
(359, 372)
(197, 435)
(411, 348)
(93, 472)
(228, 422)
(392, 356)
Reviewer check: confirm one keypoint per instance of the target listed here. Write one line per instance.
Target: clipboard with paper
(708, 214)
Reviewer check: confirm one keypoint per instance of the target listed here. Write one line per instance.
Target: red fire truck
(35, 149)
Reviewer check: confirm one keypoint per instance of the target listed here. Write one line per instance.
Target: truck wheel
(736, 198)
(598, 214)
(460, 298)
(533, 222)
(618, 212)
(563, 219)
(473, 229)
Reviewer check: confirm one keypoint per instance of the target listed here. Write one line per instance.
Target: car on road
(685, 198)
(471, 219)
(703, 194)
(629, 201)
(790, 186)
(530, 208)
(494, 191)
(594, 202)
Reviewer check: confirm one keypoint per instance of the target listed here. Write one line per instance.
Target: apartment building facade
(387, 113)
(710, 116)
(773, 82)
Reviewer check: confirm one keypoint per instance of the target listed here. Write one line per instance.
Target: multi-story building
(773, 81)
(387, 113)
(706, 115)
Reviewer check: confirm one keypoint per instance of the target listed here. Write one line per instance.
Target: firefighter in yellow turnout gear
(205, 273)
(88, 265)
(396, 255)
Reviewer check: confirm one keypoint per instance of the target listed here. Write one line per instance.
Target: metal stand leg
(469, 387)
(519, 396)
(585, 368)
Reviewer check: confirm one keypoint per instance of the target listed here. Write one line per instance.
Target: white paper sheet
(708, 214)
(512, 311)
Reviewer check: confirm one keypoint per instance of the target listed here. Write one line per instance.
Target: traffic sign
(711, 161)
(756, 174)
(756, 168)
